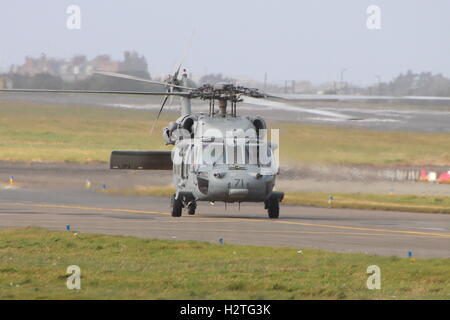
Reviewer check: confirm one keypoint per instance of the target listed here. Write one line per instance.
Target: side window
(182, 168)
(178, 167)
(185, 165)
(188, 161)
(196, 157)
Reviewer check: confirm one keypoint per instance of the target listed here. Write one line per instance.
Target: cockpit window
(213, 153)
(236, 153)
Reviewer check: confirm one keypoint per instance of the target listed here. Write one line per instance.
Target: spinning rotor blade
(125, 76)
(170, 102)
(186, 51)
(171, 83)
(159, 113)
(175, 75)
(182, 94)
(289, 107)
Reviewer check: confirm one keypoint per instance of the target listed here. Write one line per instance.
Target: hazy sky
(298, 39)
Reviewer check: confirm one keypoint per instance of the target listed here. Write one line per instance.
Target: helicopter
(217, 156)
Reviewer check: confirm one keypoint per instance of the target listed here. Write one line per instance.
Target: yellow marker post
(11, 180)
(330, 199)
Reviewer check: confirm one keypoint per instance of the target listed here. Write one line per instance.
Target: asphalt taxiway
(340, 230)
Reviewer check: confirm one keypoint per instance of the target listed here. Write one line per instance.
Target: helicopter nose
(237, 193)
(252, 186)
(219, 175)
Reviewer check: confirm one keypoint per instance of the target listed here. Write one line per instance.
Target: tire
(191, 209)
(177, 206)
(273, 208)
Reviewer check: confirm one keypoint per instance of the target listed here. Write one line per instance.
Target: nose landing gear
(191, 208)
(178, 204)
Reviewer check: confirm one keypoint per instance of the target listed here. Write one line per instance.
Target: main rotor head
(225, 92)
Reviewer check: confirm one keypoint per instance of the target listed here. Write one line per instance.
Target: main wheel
(177, 206)
(273, 208)
(191, 208)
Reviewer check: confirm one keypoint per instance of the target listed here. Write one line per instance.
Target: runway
(359, 231)
(404, 115)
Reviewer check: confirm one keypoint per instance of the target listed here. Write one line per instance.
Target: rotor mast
(185, 101)
(223, 103)
(222, 107)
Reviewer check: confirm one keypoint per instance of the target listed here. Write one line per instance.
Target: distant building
(79, 67)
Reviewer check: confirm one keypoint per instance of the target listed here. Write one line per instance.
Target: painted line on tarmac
(62, 206)
(240, 219)
(368, 229)
(281, 232)
(337, 227)
(55, 224)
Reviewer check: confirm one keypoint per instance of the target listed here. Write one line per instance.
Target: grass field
(390, 202)
(39, 132)
(35, 132)
(33, 265)
(408, 203)
(335, 145)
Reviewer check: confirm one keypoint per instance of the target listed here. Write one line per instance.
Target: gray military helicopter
(217, 156)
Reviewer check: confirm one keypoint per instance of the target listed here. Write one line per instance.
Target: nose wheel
(191, 208)
(273, 207)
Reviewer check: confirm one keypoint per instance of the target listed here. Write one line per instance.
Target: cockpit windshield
(236, 153)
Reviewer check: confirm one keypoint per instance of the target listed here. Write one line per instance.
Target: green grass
(43, 132)
(389, 202)
(316, 144)
(36, 132)
(33, 265)
(408, 203)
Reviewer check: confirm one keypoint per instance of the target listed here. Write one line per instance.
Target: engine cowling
(184, 123)
(259, 124)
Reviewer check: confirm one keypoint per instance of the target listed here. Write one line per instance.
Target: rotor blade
(170, 102)
(289, 107)
(159, 113)
(305, 98)
(183, 94)
(266, 95)
(314, 98)
(125, 76)
(186, 50)
(175, 75)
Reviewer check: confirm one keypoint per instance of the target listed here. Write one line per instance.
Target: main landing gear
(177, 206)
(273, 207)
(272, 204)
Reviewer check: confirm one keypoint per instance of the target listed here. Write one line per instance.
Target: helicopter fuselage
(219, 162)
